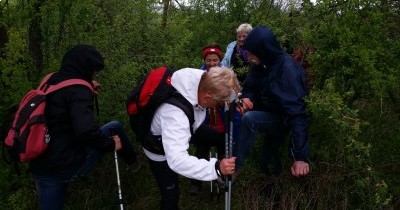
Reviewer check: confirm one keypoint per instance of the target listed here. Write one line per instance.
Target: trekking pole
(229, 111)
(211, 182)
(232, 108)
(217, 184)
(121, 204)
(227, 155)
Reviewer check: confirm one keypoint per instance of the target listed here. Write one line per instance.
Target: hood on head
(186, 82)
(261, 41)
(82, 61)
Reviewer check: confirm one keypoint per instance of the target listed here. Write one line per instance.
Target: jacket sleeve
(290, 91)
(82, 117)
(226, 61)
(252, 84)
(175, 134)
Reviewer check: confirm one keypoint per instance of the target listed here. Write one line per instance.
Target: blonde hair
(220, 81)
(245, 27)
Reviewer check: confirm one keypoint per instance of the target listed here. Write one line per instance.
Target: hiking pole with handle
(227, 186)
(121, 204)
(229, 111)
(210, 155)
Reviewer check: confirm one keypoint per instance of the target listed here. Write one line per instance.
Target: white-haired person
(235, 55)
(202, 89)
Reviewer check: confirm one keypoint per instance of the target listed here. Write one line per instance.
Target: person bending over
(202, 89)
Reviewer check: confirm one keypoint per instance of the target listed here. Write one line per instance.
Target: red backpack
(28, 136)
(152, 91)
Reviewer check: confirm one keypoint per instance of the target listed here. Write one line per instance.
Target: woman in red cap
(212, 56)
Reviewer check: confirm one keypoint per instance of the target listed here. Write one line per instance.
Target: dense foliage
(353, 52)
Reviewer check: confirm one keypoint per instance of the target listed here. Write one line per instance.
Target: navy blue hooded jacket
(278, 85)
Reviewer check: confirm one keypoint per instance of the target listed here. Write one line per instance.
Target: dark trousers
(205, 138)
(254, 122)
(168, 184)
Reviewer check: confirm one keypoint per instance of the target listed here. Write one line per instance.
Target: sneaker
(135, 167)
(195, 188)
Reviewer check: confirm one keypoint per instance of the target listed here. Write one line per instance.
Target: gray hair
(245, 27)
(220, 81)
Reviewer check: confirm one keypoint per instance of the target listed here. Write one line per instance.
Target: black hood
(261, 41)
(81, 61)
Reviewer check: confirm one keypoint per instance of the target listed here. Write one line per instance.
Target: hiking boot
(135, 167)
(195, 188)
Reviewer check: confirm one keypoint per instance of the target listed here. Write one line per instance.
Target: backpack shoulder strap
(181, 102)
(67, 83)
(44, 80)
(153, 142)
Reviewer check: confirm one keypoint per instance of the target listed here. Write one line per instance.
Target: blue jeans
(52, 189)
(254, 122)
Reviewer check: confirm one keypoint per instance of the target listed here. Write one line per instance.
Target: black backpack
(152, 91)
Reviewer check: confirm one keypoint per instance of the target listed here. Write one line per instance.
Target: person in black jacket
(76, 141)
(273, 101)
